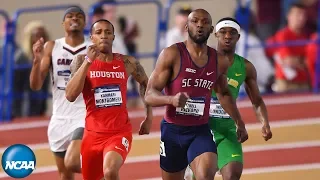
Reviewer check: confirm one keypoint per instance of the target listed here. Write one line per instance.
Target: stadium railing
(8, 66)
(3, 66)
(8, 95)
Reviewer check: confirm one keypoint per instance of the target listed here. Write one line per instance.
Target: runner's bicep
(162, 72)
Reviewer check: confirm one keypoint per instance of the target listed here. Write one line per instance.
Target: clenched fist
(180, 99)
(37, 49)
(266, 132)
(242, 132)
(92, 52)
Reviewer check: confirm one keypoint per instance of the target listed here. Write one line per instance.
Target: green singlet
(221, 124)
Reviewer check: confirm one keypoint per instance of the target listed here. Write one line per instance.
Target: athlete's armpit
(76, 63)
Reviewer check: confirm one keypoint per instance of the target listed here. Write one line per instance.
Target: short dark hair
(98, 10)
(72, 9)
(101, 20)
(297, 5)
(229, 19)
(185, 10)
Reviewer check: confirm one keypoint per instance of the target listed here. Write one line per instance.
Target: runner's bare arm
(139, 74)
(40, 67)
(224, 95)
(253, 92)
(78, 68)
(159, 78)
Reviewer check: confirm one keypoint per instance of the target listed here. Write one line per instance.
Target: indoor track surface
(292, 153)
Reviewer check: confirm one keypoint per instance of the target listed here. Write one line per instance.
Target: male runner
(66, 126)
(102, 78)
(230, 155)
(189, 71)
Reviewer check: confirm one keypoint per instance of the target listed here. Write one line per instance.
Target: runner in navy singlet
(189, 71)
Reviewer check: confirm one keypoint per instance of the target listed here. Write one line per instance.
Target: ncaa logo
(18, 161)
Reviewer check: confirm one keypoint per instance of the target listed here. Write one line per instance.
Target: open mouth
(200, 33)
(227, 43)
(74, 25)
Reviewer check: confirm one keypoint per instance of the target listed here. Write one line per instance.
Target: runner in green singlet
(230, 155)
(229, 149)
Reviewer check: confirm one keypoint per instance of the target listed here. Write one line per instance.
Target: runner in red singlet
(102, 78)
(189, 71)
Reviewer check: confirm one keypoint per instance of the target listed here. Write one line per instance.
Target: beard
(199, 39)
(75, 30)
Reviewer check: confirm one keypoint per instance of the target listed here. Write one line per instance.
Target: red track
(150, 169)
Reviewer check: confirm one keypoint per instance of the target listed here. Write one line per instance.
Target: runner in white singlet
(66, 126)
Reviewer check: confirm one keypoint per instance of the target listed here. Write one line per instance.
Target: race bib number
(63, 79)
(193, 107)
(108, 96)
(216, 109)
